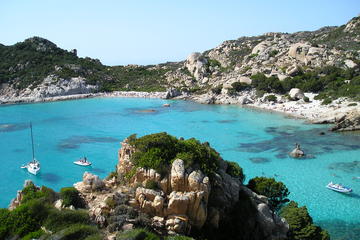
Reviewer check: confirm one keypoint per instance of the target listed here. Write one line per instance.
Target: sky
(121, 32)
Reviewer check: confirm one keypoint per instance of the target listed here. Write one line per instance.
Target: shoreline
(313, 112)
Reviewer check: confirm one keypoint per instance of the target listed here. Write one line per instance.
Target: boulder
(92, 182)
(296, 94)
(299, 51)
(196, 64)
(350, 63)
(246, 80)
(177, 175)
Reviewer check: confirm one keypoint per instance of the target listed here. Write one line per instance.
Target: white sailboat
(33, 167)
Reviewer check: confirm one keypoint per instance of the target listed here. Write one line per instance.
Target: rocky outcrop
(90, 183)
(19, 196)
(297, 152)
(349, 122)
(186, 199)
(196, 64)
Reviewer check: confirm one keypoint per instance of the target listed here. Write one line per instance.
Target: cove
(259, 141)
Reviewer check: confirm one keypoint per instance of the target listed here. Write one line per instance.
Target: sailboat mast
(32, 142)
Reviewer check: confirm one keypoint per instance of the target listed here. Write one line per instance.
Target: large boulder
(196, 64)
(296, 94)
(299, 51)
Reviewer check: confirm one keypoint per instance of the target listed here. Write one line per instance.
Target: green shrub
(273, 53)
(34, 235)
(110, 202)
(112, 175)
(306, 99)
(234, 170)
(275, 191)
(78, 232)
(151, 184)
(178, 237)
(352, 104)
(70, 196)
(32, 192)
(239, 86)
(217, 89)
(271, 98)
(57, 220)
(157, 151)
(137, 234)
(301, 224)
(326, 101)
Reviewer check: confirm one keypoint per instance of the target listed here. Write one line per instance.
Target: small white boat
(82, 162)
(338, 187)
(33, 167)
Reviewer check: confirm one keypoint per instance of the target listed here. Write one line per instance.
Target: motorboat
(338, 187)
(33, 166)
(82, 162)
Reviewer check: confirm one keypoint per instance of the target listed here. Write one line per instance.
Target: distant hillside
(325, 61)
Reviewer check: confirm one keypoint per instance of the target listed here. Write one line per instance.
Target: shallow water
(258, 141)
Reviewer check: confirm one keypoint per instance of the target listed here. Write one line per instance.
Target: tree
(275, 191)
(301, 225)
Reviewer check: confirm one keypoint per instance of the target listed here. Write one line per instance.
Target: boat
(33, 166)
(338, 187)
(83, 162)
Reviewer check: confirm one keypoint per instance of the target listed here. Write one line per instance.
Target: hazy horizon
(141, 32)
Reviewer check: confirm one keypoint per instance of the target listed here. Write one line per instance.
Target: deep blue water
(258, 141)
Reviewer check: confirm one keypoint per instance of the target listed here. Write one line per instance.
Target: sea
(258, 141)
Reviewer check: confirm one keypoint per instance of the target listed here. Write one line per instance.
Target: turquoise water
(258, 141)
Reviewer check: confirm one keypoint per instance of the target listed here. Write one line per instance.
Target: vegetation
(158, 151)
(28, 63)
(234, 170)
(271, 98)
(37, 210)
(301, 224)
(217, 89)
(70, 196)
(275, 191)
(144, 234)
(151, 184)
(331, 82)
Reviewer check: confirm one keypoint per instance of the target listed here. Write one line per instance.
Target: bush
(239, 86)
(151, 184)
(352, 104)
(217, 89)
(110, 202)
(271, 98)
(34, 235)
(275, 191)
(234, 170)
(301, 224)
(326, 101)
(78, 232)
(137, 234)
(57, 220)
(70, 196)
(158, 151)
(306, 99)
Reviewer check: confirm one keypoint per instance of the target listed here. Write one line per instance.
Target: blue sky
(155, 31)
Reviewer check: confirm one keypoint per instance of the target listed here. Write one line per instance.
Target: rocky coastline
(313, 111)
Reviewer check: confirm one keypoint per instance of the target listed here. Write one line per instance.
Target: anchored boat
(338, 187)
(82, 162)
(33, 167)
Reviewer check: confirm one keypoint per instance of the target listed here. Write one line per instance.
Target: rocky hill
(323, 61)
